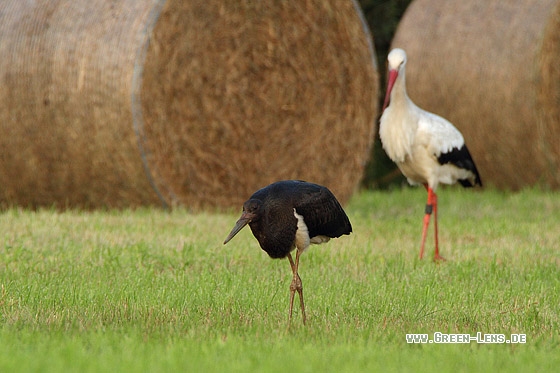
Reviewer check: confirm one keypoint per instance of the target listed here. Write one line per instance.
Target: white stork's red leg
(431, 207)
(427, 215)
(296, 285)
(436, 253)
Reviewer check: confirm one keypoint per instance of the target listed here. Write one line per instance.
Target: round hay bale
(196, 103)
(491, 67)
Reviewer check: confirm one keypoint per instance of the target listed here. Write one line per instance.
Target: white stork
(427, 148)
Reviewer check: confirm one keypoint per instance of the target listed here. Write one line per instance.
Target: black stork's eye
(252, 206)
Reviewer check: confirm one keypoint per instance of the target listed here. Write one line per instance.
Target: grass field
(150, 290)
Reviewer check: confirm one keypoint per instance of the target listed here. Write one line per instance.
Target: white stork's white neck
(399, 97)
(399, 121)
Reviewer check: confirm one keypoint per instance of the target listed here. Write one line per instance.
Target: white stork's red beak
(393, 74)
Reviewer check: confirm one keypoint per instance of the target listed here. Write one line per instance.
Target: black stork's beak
(245, 219)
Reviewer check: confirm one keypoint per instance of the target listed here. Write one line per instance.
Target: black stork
(292, 214)
(427, 148)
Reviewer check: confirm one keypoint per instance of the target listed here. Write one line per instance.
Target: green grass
(149, 290)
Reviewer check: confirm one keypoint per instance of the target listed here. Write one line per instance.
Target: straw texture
(194, 103)
(491, 68)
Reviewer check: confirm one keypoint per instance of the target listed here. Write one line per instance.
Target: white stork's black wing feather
(461, 158)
